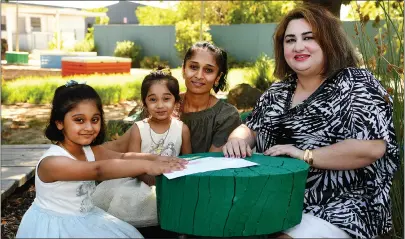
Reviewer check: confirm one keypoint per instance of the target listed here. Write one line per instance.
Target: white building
(37, 25)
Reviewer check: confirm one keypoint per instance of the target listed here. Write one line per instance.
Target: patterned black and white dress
(350, 105)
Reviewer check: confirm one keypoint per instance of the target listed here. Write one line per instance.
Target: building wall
(244, 42)
(117, 12)
(72, 28)
(154, 40)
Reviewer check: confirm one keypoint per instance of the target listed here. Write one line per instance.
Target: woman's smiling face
(301, 51)
(201, 72)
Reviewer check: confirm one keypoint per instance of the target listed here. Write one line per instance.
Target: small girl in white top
(65, 174)
(160, 134)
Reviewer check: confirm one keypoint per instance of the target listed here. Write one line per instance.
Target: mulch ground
(14, 207)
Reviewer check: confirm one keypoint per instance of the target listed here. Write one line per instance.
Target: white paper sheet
(210, 164)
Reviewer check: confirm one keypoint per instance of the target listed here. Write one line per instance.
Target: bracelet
(122, 156)
(308, 157)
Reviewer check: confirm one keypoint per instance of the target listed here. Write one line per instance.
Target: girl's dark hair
(327, 30)
(221, 58)
(161, 74)
(65, 99)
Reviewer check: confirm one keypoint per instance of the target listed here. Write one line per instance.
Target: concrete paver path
(18, 165)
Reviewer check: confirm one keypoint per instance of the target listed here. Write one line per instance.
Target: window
(36, 24)
(3, 23)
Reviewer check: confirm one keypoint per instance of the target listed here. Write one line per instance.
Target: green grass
(111, 88)
(36, 90)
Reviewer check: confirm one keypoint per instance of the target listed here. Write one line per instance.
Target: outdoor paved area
(17, 165)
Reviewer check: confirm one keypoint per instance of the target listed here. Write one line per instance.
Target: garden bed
(12, 72)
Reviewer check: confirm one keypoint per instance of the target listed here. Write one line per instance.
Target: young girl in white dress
(65, 174)
(133, 199)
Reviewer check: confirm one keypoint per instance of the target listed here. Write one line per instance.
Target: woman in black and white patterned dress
(336, 117)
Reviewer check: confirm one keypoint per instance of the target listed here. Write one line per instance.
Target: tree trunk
(332, 5)
(258, 200)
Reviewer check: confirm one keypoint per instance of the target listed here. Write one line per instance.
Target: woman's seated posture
(333, 115)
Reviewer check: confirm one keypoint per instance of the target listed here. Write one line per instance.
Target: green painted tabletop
(256, 200)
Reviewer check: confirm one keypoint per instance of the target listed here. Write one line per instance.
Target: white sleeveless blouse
(68, 197)
(166, 144)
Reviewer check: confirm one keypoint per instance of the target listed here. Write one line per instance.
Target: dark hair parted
(327, 30)
(161, 74)
(221, 58)
(65, 99)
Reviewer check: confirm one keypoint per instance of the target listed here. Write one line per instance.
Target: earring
(216, 84)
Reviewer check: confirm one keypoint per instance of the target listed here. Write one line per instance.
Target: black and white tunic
(350, 105)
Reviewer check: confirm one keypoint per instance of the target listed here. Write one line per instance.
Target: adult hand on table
(236, 148)
(285, 149)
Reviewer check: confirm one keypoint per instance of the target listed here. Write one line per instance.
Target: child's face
(82, 124)
(201, 72)
(159, 101)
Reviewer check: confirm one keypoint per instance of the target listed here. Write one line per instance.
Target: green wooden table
(258, 200)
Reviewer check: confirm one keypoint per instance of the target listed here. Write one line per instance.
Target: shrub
(87, 44)
(53, 44)
(84, 46)
(243, 96)
(152, 62)
(116, 128)
(188, 33)
(4, 45)
(262, 76)
(4, 48)
(234, 63)
(383, 55)
(128, 49)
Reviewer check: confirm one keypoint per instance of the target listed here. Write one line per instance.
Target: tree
(332, 5)
(372, 10)
(187, 33)
(155, 16)
(87, 44)
(99, 20)
(216, 12)
(258, 11)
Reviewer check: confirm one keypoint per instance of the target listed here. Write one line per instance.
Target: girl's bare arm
(59, 168)
(186, 143)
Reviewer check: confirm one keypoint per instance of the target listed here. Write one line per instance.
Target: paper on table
(210, 164)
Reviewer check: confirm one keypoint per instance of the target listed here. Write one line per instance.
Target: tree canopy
(99, 20)
(216, 12)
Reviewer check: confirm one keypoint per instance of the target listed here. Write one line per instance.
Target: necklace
(158, 147)
(184, 103)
